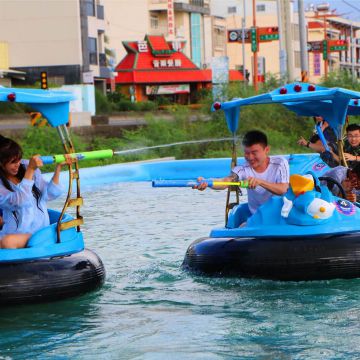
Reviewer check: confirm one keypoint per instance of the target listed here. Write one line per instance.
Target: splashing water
(146, 148)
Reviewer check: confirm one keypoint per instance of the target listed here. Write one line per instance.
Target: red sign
(337, 45)
(269, 33)
(170, 19)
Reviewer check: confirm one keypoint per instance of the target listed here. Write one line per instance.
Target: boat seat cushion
(237, 215)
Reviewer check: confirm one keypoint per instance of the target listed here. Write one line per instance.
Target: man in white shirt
(266, 175)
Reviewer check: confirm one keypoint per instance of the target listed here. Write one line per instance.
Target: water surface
(150, 309)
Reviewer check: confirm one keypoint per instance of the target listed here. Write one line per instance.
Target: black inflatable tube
(50, 279)
(287, 259)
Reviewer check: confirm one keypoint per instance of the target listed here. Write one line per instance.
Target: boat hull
(277, 258)
(48, 279)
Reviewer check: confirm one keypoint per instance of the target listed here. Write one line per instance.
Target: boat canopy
(53, 104)
(333, 104)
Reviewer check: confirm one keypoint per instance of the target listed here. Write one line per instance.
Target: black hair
(356, 170)
(10, 151)
(253, 137)
(352, 127)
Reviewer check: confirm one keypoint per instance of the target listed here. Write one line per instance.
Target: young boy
(349, 179)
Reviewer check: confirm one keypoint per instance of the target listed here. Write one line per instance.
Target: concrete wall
(37, 30)
(125, 21)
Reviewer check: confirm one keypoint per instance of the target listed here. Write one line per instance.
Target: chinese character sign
(142, 46)
(170, 19)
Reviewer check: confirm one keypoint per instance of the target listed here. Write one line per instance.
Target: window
(295, 32)
(92, 45)
(260, 8)
(197, 3)
(219, 37)
(231, 9)
(154, 21)
(195, 23)
(90, 7)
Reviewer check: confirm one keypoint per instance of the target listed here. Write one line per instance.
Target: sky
(349, 9)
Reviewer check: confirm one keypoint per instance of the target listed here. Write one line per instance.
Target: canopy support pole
(232, 188)
(73, 175)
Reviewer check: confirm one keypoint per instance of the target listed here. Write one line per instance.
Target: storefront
(156, 68)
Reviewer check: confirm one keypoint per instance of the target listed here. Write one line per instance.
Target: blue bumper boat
(55, 263)
(307, 234)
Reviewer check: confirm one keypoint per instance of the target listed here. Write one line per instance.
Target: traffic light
(254, 40)
(325, 49)
(270, 33)
(43, 80)
(337, 45)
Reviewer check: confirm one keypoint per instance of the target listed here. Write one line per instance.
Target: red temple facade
(156, 67)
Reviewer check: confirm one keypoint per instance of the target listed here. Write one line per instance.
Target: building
(324, 24)
(188, 21)
(64, 38)
(155, 67)
(271, 54)
(6, 74)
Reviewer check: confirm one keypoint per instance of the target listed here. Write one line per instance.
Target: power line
(354, 7)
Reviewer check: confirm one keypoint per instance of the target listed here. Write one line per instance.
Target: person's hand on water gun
(253, 182)
(202, 184)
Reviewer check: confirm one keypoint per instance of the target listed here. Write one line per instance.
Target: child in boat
(266, 175)
(349, 179)
(351, 146)
(23, 195)
(315, 144)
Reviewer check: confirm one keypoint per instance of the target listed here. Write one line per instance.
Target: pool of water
(150, 309)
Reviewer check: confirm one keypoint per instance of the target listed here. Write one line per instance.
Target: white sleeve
(283, 175)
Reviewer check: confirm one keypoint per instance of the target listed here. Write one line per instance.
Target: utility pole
(243, 23)
(282, 52)
(352, 52)
(303, 43)
(255, 57)
(326, 61)
(285, 6)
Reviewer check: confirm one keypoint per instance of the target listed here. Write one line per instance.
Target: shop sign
(317, 64)
(168, 89)
(170, 19)
(142, 46)
(167, 63)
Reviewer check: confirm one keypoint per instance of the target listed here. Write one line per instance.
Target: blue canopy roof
(333, 104)
(54, 105)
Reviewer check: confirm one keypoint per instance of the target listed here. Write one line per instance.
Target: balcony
(190, 6)
(348, 64)
(195, 6)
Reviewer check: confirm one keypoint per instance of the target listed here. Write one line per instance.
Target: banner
(168, 89)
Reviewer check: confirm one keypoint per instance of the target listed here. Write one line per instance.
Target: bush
(125, 105)
(103, 105)
(146, 106)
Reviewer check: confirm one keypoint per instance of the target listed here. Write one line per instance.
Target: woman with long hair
(23, 195)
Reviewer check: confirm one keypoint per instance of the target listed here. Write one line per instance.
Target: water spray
(108, 153)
